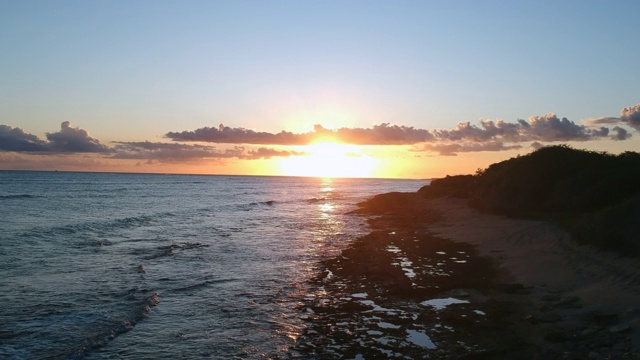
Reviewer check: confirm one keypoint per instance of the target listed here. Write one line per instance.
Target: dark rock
(550, 317)
(571, 302)
(594, 355)
(556, 336)
(602, 318)
(621, 346)
(620, 329)
(550, 297)
(511, 288)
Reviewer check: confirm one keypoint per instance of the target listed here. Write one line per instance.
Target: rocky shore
(436, 279)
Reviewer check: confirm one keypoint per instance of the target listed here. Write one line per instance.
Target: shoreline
(437, 279)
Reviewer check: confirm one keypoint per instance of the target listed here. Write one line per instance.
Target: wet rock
(619, 346)
(511, 288)
(602, 318)
(571, 302)
(550, 297)
(619, 329)
(550, 317)
(459, 293)
(589, 332)
(556, 336)
(602, 341)
(594, 355)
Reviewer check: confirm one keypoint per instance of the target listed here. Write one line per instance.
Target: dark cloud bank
(488, 135)
(76, 140)
(67, 140)
(466, 137)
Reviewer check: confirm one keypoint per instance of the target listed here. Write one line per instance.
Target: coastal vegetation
(594, 195)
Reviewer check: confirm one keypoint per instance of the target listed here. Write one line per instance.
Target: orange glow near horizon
(329, 160)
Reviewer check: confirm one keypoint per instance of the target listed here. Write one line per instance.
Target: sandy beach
(544, 259)
(437, 279)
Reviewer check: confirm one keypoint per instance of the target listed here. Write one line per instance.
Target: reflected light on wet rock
(440, 304)
(420, 339)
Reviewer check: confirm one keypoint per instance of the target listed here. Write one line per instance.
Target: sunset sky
(409, 89)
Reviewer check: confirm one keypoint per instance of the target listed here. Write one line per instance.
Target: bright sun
(329, 160)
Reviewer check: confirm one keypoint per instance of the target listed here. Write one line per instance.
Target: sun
(329, 160)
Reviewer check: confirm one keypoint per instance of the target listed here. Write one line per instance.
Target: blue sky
(135, 70)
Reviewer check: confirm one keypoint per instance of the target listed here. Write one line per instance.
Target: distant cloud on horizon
(383, 134)
(175, 152)
(488, 135)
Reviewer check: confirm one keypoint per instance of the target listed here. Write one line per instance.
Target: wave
(117, 326)
(18, 196)
(96, 226)
(202, 284)
(256, 205)
(74, 332)
(169, 250)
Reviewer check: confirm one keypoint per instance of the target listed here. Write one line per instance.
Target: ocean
(137, 266)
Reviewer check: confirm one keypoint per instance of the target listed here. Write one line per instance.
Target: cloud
(603, 120)
(162, 151)
(536, 145)
(486, 131)
(265, 153)
(452, 149)
(67, 140)
(383, 134)
(70, 139)
(49, 161)
(550, 128)
(620, 134)
(631, 116)
(227, 135)
(545, 128)
(175, 152)
(15, 139)
(488, 135)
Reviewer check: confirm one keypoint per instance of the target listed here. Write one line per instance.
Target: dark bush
(595, 195)
(458, 186)
(557, 179)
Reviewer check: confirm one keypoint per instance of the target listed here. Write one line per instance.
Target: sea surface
(132, 266)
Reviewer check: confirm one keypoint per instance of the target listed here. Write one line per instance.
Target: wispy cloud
(175, 152)
(452, 149)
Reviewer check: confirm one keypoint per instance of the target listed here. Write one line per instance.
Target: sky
(406, 89)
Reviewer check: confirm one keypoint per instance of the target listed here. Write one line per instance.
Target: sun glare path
(329, 160)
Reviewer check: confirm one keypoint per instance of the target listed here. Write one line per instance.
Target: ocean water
(131, 266)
